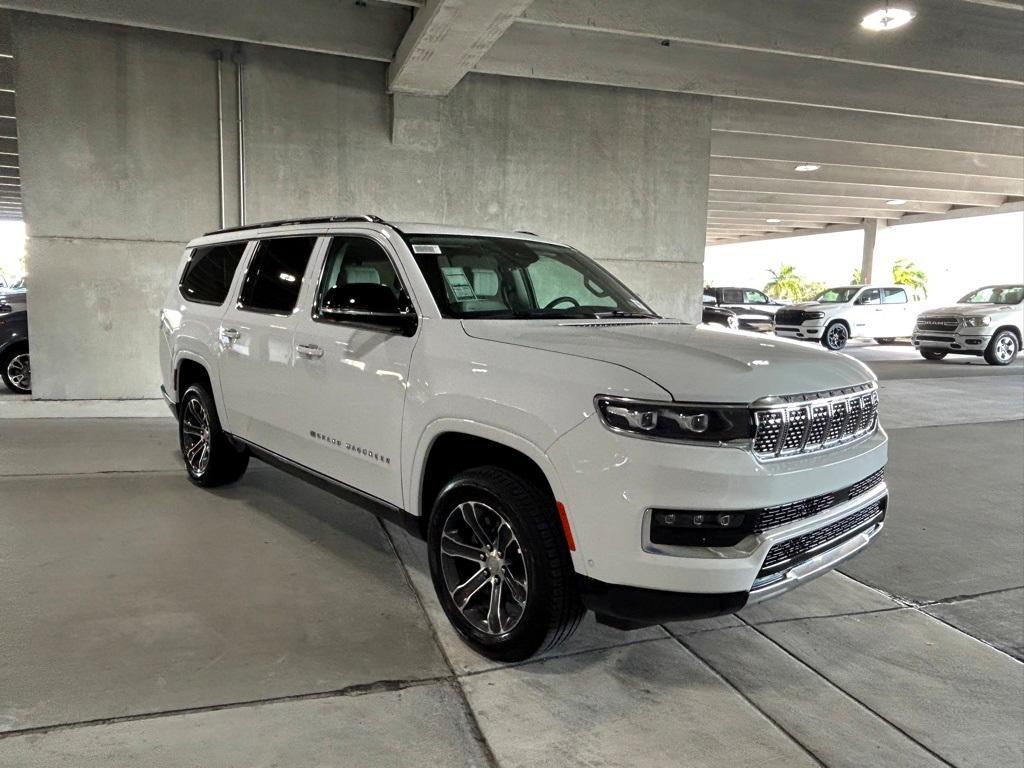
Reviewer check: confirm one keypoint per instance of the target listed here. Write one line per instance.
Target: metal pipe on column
(241, 138)
(219, 56)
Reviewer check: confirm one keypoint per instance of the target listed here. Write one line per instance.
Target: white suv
(988, 322)
(836, 315)
(557, 444)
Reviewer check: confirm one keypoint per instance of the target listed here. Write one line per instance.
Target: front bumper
(963, 341)
(808, 331)
(612, 482)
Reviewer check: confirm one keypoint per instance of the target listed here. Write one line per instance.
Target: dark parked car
(15, 368)
(755, 310)
(718, 315)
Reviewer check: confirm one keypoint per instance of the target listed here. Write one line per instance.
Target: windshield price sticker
(456, 278)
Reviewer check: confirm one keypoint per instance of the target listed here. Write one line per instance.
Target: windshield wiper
(623, 313)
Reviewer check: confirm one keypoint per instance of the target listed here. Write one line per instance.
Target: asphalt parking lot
(144, 621)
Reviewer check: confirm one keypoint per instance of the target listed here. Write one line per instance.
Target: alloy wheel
(19, 372)
(484, 568)
(837, 336)
(1005, 348)
(195, 431)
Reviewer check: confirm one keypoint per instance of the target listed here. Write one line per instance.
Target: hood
(696, 363)
(813, 305)
(971, 309)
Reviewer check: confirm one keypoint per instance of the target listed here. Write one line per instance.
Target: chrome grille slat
(943, 323)
(799, 424)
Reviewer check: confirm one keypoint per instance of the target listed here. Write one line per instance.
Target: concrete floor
(146, 622)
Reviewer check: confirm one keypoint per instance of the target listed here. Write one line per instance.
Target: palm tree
(905, 272)
(856, 278)
(785, 284)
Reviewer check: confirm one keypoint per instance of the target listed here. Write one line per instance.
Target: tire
(523, 553)
(199, 435)
(835, 337)
(1002, 349)
(932, 354)
(16, 369)
(885, 340)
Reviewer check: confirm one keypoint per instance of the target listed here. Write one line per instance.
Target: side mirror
(369, 304)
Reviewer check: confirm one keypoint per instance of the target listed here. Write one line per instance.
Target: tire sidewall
(990, 355)
(533, 626)
(198, 392)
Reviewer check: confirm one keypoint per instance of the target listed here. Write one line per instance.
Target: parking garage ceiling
(817, 123)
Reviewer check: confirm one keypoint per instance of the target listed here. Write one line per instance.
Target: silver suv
(985, 322)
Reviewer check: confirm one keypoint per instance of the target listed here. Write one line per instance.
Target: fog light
(698, 519)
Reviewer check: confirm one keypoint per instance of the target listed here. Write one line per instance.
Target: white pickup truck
(836, 315)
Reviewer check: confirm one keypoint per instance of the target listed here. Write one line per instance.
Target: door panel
(350, 378)
(256, 339)
(866, 316)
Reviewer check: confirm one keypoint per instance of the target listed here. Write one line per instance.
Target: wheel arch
(1012, 329)
(191, 369)
(449, 448)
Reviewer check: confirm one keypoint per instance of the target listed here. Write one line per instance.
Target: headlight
(814, 315)
(977, 322)
(674, 422)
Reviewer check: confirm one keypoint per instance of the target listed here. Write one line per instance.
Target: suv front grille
(938, 323)
(790, 317)
(773, 517)
(815, 421)
(787, 553)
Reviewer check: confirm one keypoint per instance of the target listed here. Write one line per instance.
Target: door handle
(311, 351)
(231, 334)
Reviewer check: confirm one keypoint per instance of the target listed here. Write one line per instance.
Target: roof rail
(307, 220)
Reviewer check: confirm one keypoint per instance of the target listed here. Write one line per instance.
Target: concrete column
(873, 229)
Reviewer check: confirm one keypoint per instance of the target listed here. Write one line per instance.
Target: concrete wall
(118, 135)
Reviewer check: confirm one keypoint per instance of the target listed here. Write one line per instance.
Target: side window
(894, 296)
(358, 275)
(274, 278)
(732, 296)
(870, 297)
(209, 272)
(755, 297)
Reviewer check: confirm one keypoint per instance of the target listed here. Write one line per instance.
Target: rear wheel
(932, 354)
(885, 340)
(1003, 348)
(210, 457)
(16, 369)
(500, 565)
(836, 336)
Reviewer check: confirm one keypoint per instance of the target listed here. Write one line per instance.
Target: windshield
(995, 294)
(837, 295)
(477, 276)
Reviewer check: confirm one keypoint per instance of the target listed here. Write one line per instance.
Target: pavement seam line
(349, 691)
(778, 726)
(850, 696)
(966, 634)
(474, 725)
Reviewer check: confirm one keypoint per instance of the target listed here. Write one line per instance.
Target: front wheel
(500, 565)
(210, 458)
(932, 354)
(836, 336)
(16, 370)
(1003, 348)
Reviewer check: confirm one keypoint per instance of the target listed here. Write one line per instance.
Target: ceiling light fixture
(887, 18)
(773, 221)
(806, 168)
(896, 202)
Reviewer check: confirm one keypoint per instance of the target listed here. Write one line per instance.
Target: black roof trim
(308, 220)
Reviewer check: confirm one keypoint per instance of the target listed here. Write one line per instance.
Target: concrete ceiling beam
(773, 118)
(777, 211)
(954, 39)
(362, 30)
(804, 186)
(824, 152)
(795, 201)
(446, 40)
(845, 174)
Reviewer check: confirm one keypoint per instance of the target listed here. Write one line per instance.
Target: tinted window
(357, 261)
(869, 297)
(209, 272)
(732, 296)
(894, 296)
(274, 278)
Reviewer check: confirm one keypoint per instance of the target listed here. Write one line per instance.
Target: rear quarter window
(209, 272)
